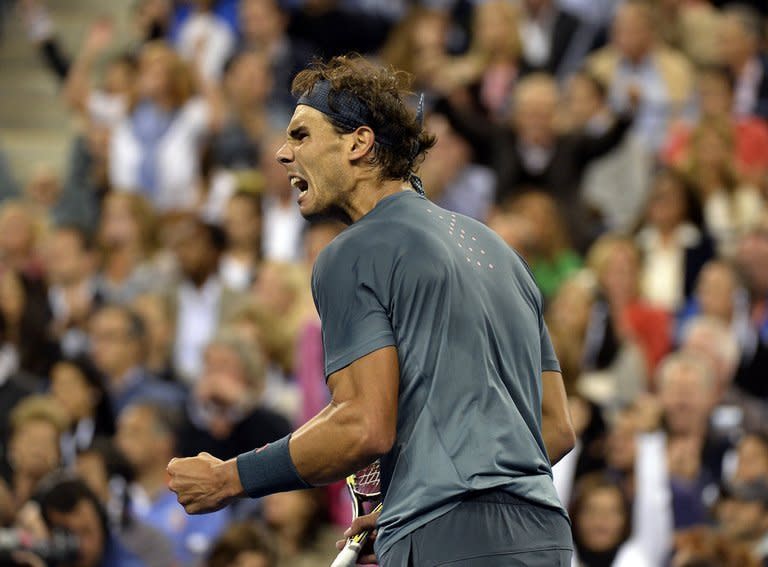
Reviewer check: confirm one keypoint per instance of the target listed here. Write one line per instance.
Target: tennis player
(436, 353)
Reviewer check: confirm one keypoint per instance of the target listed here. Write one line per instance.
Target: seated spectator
(742, 513)
(73, 292)
(69, 504)
(25, 320)
(106, 472)
(752, 262)
(620, 312)
(243, 226)
(450, 178)
(156, 148)
(200, 300)
(751, 458)
(706, 547)
(117, 338)
(553, 259)
(602, 525)
(37, 423)
(156, 313)
(243, 545)
(21, 232)
(517, 231)
(127, 241)
(225, 416)
(299, 525)
(740, 36)
(637, 63)
(79, 390)
(282, 223)
(146, 435)
(731, 207)
(672, 242)
(749, 134)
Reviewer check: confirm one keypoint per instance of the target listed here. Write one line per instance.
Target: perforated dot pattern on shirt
(476, 256)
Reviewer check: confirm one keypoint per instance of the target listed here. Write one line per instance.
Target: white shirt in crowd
(196, 323)
(178, 158)
(281, 231)
(206, 40)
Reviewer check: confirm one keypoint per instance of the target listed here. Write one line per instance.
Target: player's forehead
(307, 117)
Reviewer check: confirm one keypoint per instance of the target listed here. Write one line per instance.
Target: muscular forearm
(334, 444)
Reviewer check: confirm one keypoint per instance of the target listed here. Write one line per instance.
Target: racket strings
(368, 480)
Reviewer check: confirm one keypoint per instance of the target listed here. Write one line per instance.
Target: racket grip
(347, 557)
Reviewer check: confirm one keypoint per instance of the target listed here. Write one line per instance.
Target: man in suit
(740, 48)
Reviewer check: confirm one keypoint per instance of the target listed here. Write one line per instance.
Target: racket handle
(347, 557)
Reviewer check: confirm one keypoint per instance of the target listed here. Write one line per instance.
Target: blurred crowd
(154, 295)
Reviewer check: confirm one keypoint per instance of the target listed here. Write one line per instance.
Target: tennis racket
(364, 486)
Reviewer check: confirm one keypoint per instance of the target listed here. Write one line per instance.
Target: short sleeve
(548, 357)
(354, 321)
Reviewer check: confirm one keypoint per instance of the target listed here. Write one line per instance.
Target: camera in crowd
(61, 547)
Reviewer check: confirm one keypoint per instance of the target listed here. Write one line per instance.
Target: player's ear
(361, 143)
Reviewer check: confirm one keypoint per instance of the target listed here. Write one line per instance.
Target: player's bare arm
(557, 429)
(356, 427)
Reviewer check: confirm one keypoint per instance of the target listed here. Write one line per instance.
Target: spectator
(33, 448)
(636, 63)
(244, 116)
(243, 545)
(70, 505)
(25, 319)
(72, 288)
(554, 258)
(752, 458)
(673, 245)
(127, 241)
(602, 525)
(201, 300)
(118, 337)
(282, 223)
(451, 180)
(740, 37)
(298, 522)
(205, 41)
(79, 390)
(263, 26)
(156, 148)
(752, 263)
(731, 207)
(706, 547)
(585, 109)
(742, 513)
(146, 434)
(225, 416)
(242, 224)
(620, 312)
(553, 40)
(748, 134)
(106, 472)
(21, 231)
(531, 153)
(156, 313)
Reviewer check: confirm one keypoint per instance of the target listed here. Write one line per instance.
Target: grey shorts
(493, 529)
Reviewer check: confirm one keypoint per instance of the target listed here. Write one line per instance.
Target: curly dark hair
(382, 90)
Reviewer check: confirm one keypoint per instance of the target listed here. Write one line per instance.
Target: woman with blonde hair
(127, 240)
(156, 148)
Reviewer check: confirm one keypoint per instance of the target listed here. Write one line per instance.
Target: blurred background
(154, 267)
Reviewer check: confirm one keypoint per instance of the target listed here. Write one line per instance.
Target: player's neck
(367, 195)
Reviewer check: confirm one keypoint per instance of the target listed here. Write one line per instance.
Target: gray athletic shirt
(465, 315)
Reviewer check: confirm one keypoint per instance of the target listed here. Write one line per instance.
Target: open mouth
(299, 183)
